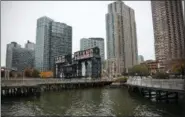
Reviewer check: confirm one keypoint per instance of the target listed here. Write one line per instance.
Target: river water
(88, 102)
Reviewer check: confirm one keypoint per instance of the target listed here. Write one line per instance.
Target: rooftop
(96, 38)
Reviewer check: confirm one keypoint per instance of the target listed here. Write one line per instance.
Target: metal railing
(176, 84)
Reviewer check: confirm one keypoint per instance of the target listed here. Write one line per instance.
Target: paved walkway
(164, 84)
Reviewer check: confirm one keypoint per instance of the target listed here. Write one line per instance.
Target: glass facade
(22, 58)
(53, 39)
(19, 58)
(9, 53)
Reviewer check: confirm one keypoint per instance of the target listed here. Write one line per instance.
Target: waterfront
(94, 101)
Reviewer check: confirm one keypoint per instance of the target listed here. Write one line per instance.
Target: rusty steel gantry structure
(84, 64)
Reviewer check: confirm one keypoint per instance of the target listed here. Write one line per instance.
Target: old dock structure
(34, 86)
(157, 89)
(84, 63)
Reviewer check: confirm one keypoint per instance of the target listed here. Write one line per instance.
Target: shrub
(139, 70)
(161, 75)
(28, 72)
(121, 79)
(31, 73)
(35, 73)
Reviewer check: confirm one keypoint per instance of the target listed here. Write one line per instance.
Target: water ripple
(88, 102)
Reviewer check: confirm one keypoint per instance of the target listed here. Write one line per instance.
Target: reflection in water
(97, 101)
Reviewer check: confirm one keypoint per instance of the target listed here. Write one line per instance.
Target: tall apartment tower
(52, 39)
(121, 36)
(86, 43)
(183, 3)
(169, 30)
(19, 58)
(9, 53)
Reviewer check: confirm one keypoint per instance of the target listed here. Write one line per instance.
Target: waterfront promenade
(161, 84)
(18, 82)
(164, 84)
(157, 89)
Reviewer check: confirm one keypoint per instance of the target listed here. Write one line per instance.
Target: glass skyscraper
(19, 58)
(53, 39)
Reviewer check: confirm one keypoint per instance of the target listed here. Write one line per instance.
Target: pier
(157, 89)
(34, 86)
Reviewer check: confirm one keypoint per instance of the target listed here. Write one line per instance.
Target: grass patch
(121, 79)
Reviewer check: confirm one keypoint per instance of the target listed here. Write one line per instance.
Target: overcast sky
(18, 22)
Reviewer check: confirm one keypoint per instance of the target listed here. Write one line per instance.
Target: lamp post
(22, 76)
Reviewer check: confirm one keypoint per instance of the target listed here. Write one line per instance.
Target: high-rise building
(169, 30)
(9, 53)
(86, 43)
(30, 45)
(121, 36)
(183, 7)
(19, 58)
(53, 39)
(140, 59)
(23, 58)
(110, 68)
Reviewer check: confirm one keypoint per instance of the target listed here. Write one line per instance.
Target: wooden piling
(176, 97)
(167, 100)
(158, 96)
(35, 90)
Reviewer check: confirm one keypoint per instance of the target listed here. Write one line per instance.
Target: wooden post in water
(159, 95)
(167, 101)
(150, 96)
(18, 91)
(13, 94)
(10, 90)
(176, 97)
(6, 92)
(143, 92)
